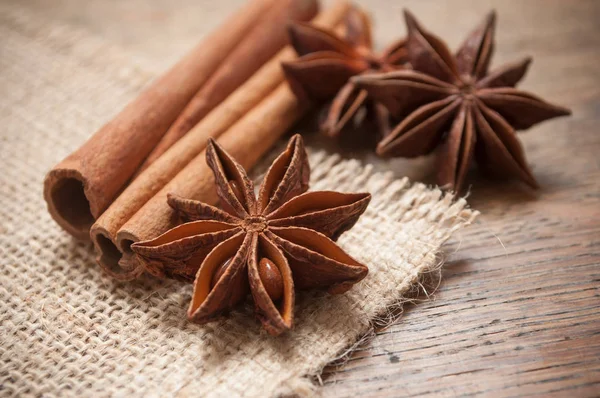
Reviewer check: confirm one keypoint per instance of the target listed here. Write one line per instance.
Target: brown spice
(327, 62)
(256, 236)
(452, 102)
(254, 116)
(83, 185)
(257, 47)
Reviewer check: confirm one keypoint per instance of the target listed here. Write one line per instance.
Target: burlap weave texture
(68, 330)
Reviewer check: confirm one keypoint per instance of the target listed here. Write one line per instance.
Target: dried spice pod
(327, 63)
(258, 244)
(451, 102)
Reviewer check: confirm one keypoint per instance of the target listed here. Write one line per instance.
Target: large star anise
(326, 64)
(452, 101)
(268, 245)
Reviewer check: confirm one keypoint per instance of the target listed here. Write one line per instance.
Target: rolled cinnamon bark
(253, 51)
(159, 173)
(247, 140)
(82, 186)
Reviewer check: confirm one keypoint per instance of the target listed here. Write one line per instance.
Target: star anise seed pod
(452, 102)
(326, 64)
(269, 245)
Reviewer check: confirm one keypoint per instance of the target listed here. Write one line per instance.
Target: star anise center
(375, 62)
(466, 85)
(254, 224)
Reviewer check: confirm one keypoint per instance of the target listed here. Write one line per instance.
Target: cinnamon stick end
(117, 261)
(64, 192)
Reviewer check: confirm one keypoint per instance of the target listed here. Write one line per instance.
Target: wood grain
(518, 310)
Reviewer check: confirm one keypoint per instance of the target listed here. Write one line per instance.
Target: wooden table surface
(518, 309)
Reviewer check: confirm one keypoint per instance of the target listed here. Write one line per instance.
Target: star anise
(327, 62)
(269, 245)
(452, 101)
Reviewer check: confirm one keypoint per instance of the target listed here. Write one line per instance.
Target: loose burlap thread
(67, 329)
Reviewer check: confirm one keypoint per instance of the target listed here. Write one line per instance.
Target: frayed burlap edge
(391, 196)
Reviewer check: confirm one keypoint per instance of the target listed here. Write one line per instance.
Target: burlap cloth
(66, 329)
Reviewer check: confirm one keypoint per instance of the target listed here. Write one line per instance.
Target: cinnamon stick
(247, 140)
(159, 173)
(82, 186)
(255, 49)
